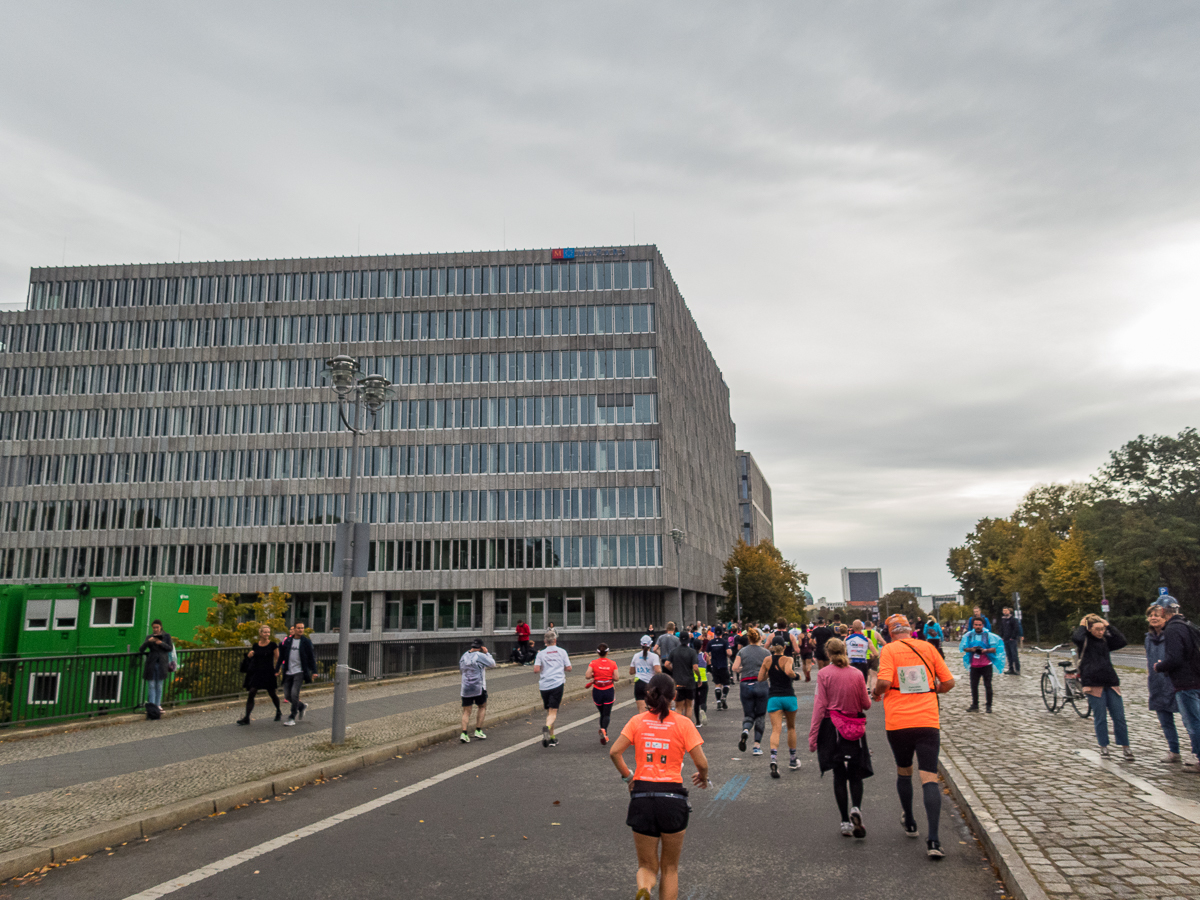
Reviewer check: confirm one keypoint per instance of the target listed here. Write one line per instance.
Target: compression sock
(904, 789)
(792, 752)
(933, 806)
(774, 754)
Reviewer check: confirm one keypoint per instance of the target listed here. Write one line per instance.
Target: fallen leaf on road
(554, 823)
(556, 802)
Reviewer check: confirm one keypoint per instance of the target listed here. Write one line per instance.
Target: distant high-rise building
(754, 501)
(862, 585)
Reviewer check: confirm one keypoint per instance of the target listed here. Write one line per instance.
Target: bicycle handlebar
(1051, 650)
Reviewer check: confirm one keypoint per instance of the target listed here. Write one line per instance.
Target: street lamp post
(1103, 596)
(677, 537)
(371, 392)
(737, 587)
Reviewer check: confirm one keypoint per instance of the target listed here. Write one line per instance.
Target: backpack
(153, 712)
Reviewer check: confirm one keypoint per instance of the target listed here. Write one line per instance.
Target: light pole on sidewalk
(1103, 596)
(370, 391)
(737, 587)
(677, 537)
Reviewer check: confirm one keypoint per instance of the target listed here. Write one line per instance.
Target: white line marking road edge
(229, 862)
(1185, 809)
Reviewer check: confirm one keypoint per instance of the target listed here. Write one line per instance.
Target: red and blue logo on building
(563, 253)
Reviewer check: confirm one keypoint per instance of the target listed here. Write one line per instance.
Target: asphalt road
(507, 817)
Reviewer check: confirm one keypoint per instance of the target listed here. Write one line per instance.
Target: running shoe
(553, 742)
(464, 739)
(245, 721)
(860, 830)
(1127, 753)
(742, 742)
(479, 734)
(757, 751)
(910, 828)
(303, 709)
(279, 715)
(290, 721)
(794, 764)
(933, 849)
(1170, 758)
(603, 736)
(545, 735)
(703, 717)
(1104, 753)
(847, 829)
(774, 770)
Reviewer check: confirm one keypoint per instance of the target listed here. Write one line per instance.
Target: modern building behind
(557, 415)
(862, 585)
(754, 501)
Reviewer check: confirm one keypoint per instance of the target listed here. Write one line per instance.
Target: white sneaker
(1193, 765)
(847, 829)
(703, 717)
(1169, 757)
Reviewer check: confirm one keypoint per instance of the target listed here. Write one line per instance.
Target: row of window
(255, 374)
(328, 509)
(304, 418)
(328, 462)
(434, 282)
(328, 328)
(107, 612)
(174, 560)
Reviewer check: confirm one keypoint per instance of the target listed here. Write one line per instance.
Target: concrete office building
(557, 415)
(862, 585)
(754, 501)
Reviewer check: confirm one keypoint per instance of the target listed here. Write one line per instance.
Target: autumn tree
(232, 623)
(771, 587)
(1071, 581)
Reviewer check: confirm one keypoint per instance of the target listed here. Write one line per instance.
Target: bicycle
(1068, 689)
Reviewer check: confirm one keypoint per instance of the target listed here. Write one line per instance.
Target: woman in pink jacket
(838, 733)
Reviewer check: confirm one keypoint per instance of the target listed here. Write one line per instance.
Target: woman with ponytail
(644, 666)
(837, 733)
(658, 805)
(753, 695)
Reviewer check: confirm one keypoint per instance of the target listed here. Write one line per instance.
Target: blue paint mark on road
(729, 792)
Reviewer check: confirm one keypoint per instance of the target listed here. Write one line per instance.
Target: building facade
(754, 501)
(862, 585)
(556, 415)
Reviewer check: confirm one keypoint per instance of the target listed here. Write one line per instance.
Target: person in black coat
(298, 663)
(1181, 663)
(260, 664)
(157, 669)
(1159, 687)
(1096, 639)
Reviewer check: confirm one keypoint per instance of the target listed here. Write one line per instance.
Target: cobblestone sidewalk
(37, 817)
(1080, 829)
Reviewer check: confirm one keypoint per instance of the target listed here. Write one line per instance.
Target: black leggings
(840, 778)
(250, 699)
(754, 711)
(604, 703)
(701, 699)
(984, 672)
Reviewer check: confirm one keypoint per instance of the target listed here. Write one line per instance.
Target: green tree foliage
(232, 623)
(1070, 580)
(771, 586)
(902, 602)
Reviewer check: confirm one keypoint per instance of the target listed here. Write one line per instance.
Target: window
(501, 607)
(105, 687)
(112, 611)
(66, 614)
(43, 688)
(37, 616)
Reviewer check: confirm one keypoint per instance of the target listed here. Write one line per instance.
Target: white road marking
(229, 862)
(1185, 809)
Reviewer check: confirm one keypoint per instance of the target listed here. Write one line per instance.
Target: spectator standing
(157, 647)
(298, 661)
(1158, 684)
(1181, 662)
(1096, 639)
(260, 665)
(982, 651)
(978, 613)
(473, 665)
(1013, 635)
(934, 635)
(838, 734)
(551, 667)
(524, 644)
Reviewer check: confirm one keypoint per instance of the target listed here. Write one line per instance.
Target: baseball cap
(1166, 601)
(477, 643)
(646, 640)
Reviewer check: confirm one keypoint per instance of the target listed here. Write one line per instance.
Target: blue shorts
(787, 704)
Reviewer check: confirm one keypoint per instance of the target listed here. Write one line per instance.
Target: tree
(771, 587)
(1071, 580)
(983, 565)
(902, 602)
(232, 623)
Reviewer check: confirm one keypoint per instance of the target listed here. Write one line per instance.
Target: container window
(105, 688)
(37, 615)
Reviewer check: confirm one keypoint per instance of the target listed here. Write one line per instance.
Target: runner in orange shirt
(658, 804)
(911, 675)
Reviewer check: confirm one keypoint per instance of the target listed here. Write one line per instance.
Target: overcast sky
(941, 251)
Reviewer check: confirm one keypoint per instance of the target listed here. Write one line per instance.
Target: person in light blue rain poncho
(983, 653)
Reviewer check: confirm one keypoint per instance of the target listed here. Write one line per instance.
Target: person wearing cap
(644, 666)
(911, 675)
(551, 667)
(1181, 663)
(474, 688)
(601, 677)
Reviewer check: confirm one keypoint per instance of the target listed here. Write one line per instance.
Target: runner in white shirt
(859, 649)
(644, 666)
(551, 667)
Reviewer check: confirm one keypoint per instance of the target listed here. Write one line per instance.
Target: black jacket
(1181, 654)
(1095, 664)
(1010, 629)
(158, 657)
(308, 657)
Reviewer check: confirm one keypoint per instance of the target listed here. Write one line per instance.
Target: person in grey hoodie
(1162, 692)
(474, 688)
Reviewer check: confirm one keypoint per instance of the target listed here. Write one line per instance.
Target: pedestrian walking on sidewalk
(910, 678)
(1096, 639)
(473, 666)
(298, 661)
(838, 734)
(601, 677)
(551, 667)
(1158, 684)
(158, 648)
(658, 801)
(777, 670)
(260, 664)
(644, 666)
(753, 695)
(982, 652)
(1181, 662)
(934, 635)
(1013, 636)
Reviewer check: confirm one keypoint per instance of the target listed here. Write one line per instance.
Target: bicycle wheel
(1050, 691)
(1079, 703)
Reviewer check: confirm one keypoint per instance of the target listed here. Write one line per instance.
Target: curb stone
(58, 850)
(1020, 882)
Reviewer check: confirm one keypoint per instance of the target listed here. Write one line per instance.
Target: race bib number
(913, 679)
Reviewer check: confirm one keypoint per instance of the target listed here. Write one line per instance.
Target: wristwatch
(627, 778)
